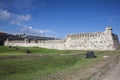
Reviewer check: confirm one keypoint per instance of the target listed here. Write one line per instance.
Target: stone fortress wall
(86, 41)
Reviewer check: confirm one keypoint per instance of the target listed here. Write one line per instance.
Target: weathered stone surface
(86, 41)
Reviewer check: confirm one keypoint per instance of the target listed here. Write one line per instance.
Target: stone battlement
(105, 40)
(95, 34)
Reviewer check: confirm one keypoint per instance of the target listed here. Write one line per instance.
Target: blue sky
(59, 17)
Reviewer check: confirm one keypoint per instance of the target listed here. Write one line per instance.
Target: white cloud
(22, 6)
(30, 27)
(4, 14)
(13, 18)
(36, 32)
(24, 17)
(18, 19)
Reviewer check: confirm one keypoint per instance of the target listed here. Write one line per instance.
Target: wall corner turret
(108, 29)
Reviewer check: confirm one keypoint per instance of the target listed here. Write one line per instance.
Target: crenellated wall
(86, 41)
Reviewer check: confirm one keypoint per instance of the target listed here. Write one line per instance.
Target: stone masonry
(85, 41)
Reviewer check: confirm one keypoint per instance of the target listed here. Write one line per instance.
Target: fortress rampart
(85, 41)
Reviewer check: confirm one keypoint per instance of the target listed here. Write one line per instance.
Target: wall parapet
(86, 35)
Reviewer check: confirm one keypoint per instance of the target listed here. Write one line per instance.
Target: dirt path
(113, 74)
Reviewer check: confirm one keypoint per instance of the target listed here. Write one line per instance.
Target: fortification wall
(90, 41)
(51, 44)
(86, 41)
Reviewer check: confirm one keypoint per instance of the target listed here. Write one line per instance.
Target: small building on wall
(105, 40)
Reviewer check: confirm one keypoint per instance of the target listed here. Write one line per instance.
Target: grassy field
(18, 65)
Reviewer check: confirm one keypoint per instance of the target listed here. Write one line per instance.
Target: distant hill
(4, 36)
(19, 37)
(39, 38)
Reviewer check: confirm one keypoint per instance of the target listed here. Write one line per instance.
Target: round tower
(108, 29)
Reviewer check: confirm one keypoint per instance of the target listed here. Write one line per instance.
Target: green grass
(35, 50)
(31, 67)
(17, 65)
(22, 50)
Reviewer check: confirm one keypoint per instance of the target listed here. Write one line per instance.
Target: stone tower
(112, 38)
(108, 29)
